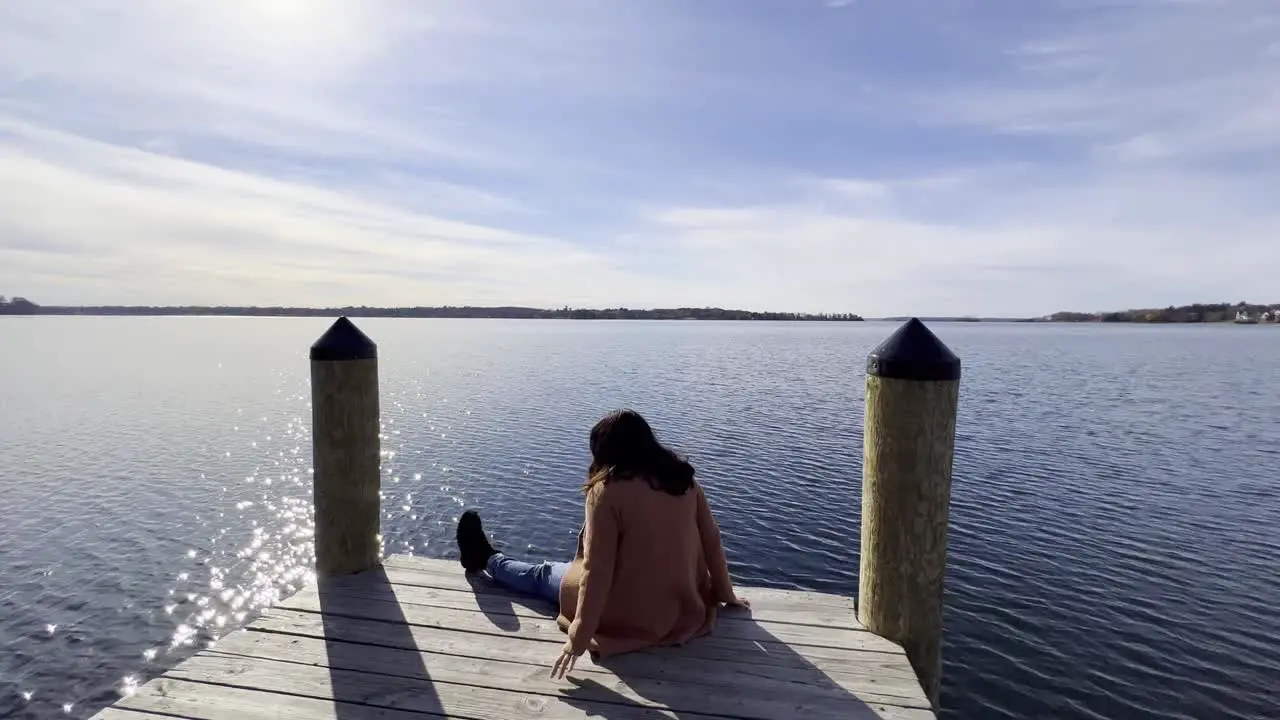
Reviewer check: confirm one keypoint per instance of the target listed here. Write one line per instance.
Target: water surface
(1115, 521)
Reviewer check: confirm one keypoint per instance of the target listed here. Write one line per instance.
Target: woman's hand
(739, 603)
(568, 658)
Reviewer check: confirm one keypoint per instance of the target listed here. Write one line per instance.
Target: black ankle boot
(473, 544)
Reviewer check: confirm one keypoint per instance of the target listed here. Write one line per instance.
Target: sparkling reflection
(129, 686)
(253, 545)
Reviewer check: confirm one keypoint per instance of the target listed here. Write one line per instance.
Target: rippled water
(1116, 509)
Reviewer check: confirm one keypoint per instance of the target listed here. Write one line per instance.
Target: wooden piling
(913, 383)
(346, 449)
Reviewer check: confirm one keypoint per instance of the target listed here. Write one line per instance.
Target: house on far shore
(17, 306)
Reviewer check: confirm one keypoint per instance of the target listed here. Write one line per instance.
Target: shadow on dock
(417, 639)
(664, 682)
(499, 609)
(351, 688)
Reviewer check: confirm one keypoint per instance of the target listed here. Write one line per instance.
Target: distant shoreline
(482, 313)
(465, 312)
(1219, 313)
(1241, 312)
(965, 319)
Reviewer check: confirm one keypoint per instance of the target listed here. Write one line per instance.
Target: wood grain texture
(880, 670)
(116, 713)
(749, 640)
(741, 699)
(365, 647)
(755, 625)
(769, 604)
(174, 698)
(347, 459)
(422, 694)
(906, 494)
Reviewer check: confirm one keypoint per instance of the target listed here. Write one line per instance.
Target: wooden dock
(417, 639)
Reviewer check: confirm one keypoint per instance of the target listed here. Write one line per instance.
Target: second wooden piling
(913, 383)
(346, 430)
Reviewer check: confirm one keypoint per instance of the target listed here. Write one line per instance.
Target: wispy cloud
(1190, 76)
(986, 241)
(898, 157)
(128, 222)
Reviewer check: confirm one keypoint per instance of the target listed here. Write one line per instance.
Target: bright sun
(301, 31)
(290, 11)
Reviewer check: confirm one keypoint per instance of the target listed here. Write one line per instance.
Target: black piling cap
(344, 341)
(913, 352)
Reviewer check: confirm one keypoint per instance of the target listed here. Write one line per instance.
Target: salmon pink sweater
(649, 570)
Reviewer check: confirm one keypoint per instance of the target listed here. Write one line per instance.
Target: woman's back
(649, 568)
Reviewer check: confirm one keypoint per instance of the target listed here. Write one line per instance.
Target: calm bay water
(1115, 547)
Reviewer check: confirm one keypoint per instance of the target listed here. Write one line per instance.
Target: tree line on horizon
(22, 306)
(1194, 313)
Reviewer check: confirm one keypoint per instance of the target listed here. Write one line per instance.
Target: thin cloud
(1190, 74)
(150, 218)
(906, 157)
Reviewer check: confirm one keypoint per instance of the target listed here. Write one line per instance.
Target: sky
(883, 157)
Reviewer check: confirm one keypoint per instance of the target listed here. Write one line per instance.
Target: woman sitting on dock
(649, 569)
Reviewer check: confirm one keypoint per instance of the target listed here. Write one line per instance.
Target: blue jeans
(541, 580)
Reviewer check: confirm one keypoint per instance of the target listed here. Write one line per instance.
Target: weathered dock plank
(382, 605)
(767, 604)
(418, 639)
(881, 672)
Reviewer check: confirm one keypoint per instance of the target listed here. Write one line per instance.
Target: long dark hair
(623, 446)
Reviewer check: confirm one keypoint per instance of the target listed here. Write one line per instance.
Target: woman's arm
(600, 549)
(713, 552)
